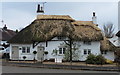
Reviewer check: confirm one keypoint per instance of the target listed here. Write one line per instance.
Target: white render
(110, 55)
(55, 44)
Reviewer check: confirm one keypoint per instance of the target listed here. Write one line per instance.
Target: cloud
(16, 19)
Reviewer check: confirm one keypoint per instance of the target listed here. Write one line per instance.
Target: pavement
(63, 66)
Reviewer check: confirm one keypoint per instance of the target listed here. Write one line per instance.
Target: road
(14, 69)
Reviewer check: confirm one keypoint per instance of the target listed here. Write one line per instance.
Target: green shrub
(100, 60)
(92, 59)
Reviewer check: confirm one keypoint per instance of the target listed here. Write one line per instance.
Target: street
(14, 69)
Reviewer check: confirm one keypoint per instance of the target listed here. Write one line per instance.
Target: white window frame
(62, 50)
(26, 49)
(88, 51)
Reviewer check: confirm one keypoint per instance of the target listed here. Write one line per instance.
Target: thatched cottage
(48, 33)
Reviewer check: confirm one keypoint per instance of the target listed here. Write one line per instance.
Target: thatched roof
(118, 34)
(106, 45)
(55, 17)
(45, 27)
(86, 23)
(86, 30)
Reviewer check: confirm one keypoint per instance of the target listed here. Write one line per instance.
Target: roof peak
(55, 17)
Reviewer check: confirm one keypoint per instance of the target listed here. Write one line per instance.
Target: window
(62, 50)
(28, 49)
(87, 42)
(87, 51)
(104, 52)
(61, 38)
(25, 49)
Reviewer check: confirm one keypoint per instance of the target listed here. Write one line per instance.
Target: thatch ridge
(54, 17)
(86, 23)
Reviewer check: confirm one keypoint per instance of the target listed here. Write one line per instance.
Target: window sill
(60, 54)
(25, 53)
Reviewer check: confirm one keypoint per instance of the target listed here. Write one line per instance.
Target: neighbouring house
(5, 35)
(118, 49)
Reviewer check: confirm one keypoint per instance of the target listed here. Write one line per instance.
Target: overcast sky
(20, 14)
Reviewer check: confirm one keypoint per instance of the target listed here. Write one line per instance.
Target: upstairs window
(61, 38)
(87, 42)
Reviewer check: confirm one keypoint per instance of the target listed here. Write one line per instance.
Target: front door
(15, 53)
(40, 53)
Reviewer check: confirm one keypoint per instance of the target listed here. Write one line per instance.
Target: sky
(17, 15)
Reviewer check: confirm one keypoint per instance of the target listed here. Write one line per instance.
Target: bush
(92, 59)
(100, 60)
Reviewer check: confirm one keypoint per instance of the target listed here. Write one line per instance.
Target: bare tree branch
(108, 30)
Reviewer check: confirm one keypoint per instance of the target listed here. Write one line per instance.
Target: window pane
(89, 51)
(64, 50)
(87, 42)
(85, 51)
(102, 52)
(60, 50)
(23, 49)
(61, 38)
(28, 49)
(105, 52)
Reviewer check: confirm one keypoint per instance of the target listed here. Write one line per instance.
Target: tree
(72, 52)
(55, 53)
(108, 30)
(69, 43)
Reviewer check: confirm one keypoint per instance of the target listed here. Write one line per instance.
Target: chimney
(40, 9)
(94, 18)
(5, 28)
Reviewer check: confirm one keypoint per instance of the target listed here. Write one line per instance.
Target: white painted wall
(28, 55)
(95, 49)
(110, 55)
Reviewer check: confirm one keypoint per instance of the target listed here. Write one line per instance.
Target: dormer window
(61, 38)
(87, 42)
